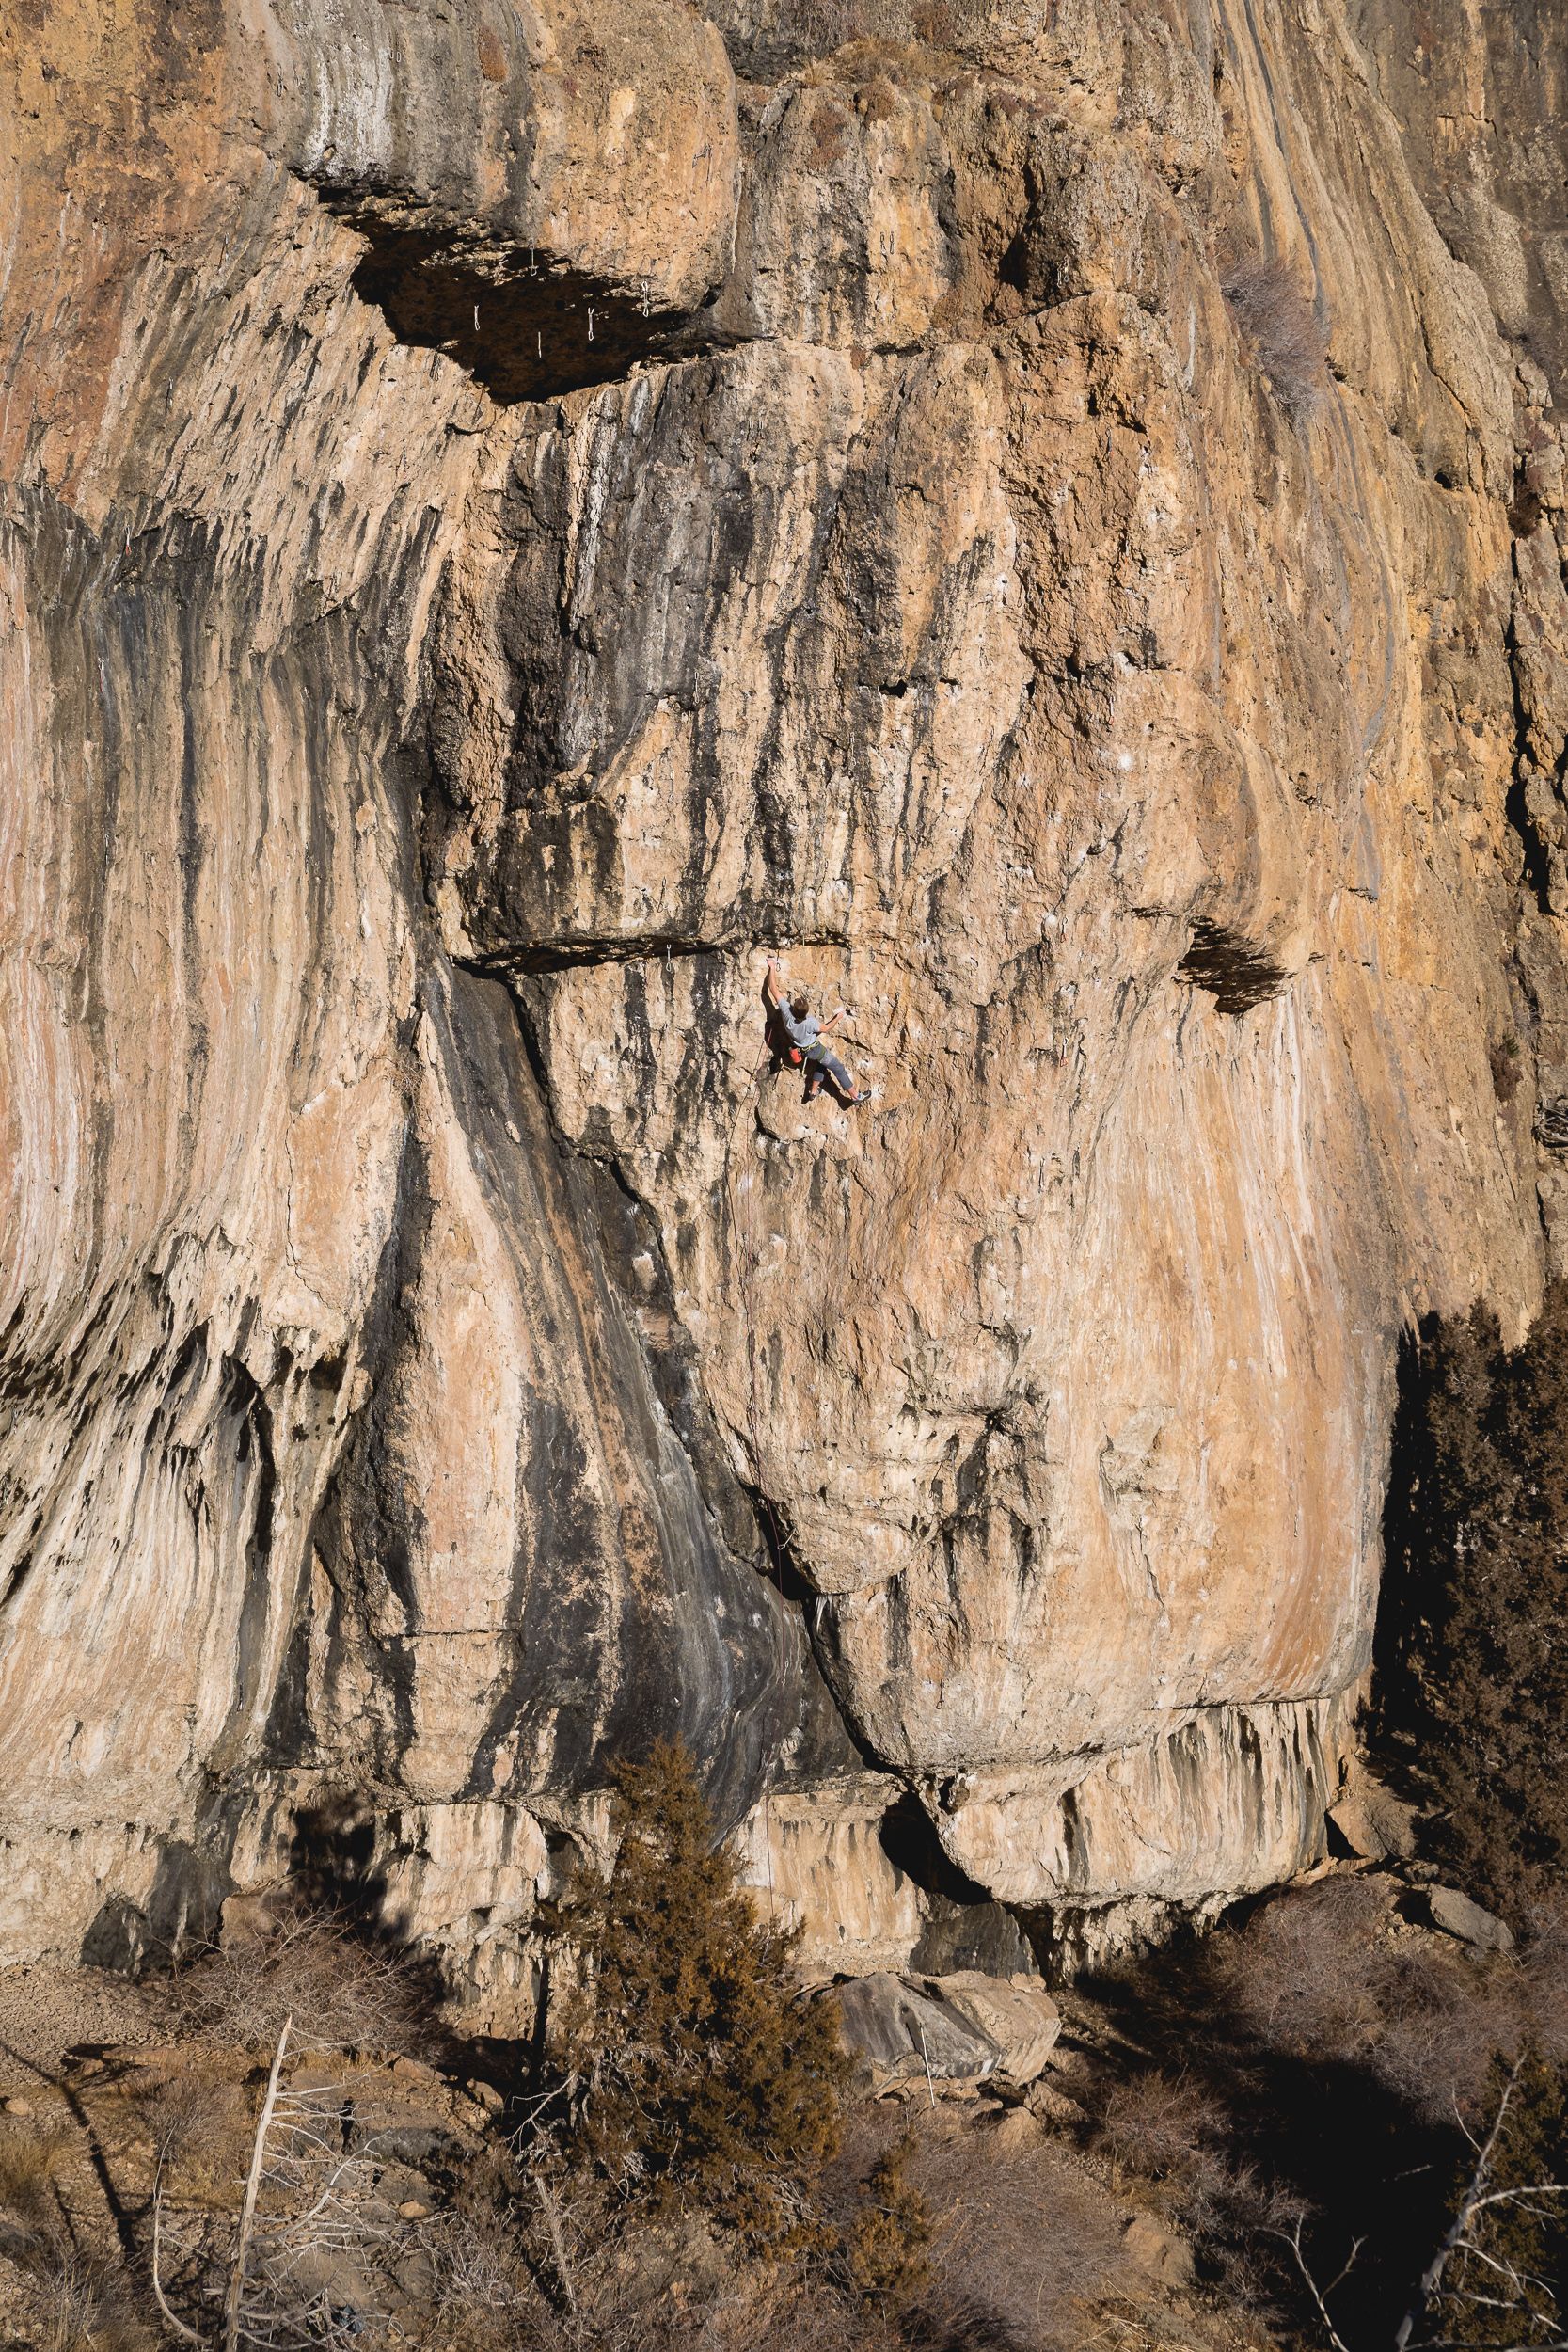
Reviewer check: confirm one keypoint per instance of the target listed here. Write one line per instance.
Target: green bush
(689, 2070)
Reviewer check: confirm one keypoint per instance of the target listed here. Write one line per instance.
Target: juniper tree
(690, 2070)
(1473, 1642)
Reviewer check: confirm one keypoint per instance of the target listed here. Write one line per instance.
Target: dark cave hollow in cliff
(525, 327)
(1230, 968)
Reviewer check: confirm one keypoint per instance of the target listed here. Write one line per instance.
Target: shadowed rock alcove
(524, 327)
(1232, 970)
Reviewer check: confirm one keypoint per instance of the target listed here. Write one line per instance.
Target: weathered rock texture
(504, 522)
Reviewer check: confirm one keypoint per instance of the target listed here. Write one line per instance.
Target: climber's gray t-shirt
(803, 1035)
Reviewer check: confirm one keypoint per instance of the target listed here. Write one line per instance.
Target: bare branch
(252, 2189)
(1292, 2239)
(1510, 2196)
(187, 2334)
(557, 2242)
(1469, 2205)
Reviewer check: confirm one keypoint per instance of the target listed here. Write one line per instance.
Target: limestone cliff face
(513, 511)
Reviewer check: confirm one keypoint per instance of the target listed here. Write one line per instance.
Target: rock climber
(793, 1025)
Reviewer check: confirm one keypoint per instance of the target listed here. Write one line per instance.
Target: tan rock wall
(437, 1354)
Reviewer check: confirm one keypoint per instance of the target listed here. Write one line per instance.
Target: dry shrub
(1307, 1974)
(341, 1992)
(1331, 1975)
(201, 2128)
(1163, 2126)
(482, 2294)
(1022, 2245)
(1541, 1970)
(1277, 315)
(821, 27)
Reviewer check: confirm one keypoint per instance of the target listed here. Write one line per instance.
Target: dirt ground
(100, 2104)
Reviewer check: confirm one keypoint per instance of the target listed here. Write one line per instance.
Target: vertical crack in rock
(805, 1734)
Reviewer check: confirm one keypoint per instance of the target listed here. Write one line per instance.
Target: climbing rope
(746, 1259)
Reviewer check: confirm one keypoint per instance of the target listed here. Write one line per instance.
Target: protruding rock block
(1458, 1917)
(956, 2028)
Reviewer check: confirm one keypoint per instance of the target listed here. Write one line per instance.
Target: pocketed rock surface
(513, 512)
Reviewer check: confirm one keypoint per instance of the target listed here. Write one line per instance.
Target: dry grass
(72, 2303)
(201, 2125)
(1278, 317)
(30, 2154)
(78, 2308)
(1331, 1974)
(35, 2234)
(823, 25)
